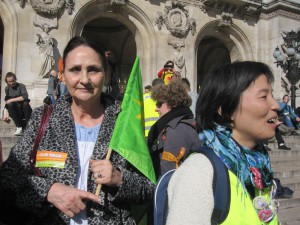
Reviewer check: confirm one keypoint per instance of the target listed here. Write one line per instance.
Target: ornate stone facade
(176, 18)
(47, 7)
(195, 34)
(178, 22)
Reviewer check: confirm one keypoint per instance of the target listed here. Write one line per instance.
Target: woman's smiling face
(84, 74)
(252, 120)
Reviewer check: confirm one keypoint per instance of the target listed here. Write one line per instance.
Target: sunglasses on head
(159, 104)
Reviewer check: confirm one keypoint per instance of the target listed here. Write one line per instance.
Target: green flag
(128, 137)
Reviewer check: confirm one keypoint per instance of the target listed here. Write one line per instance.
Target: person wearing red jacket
(167, 72)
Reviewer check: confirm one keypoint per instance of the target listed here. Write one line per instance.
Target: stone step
(285, 161)
(285, 172)
(283, 153)
(291, 182)
(295, 145)
(288, 138)
(292, 223)
(9, 141)
(291, 137)
(287, 203)
(292, 142)
(4, 124)
(289, 216)
(7, 130)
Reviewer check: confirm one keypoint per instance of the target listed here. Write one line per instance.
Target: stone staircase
(7, 137)
(285, 164)
(286, 167)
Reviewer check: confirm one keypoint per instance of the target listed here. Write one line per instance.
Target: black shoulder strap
(221, 186)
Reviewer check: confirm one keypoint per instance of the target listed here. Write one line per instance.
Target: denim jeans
(52, 99)
(62, 89)
(288, 122)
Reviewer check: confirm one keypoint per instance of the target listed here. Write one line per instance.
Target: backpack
(221, 190)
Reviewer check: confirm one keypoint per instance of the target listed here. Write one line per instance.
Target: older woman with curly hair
(173, 135)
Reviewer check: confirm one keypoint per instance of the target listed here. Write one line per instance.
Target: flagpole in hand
(100, 185)
(132, 145)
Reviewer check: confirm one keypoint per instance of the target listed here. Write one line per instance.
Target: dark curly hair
(173, 94)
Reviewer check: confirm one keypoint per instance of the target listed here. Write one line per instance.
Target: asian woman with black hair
(235, 112)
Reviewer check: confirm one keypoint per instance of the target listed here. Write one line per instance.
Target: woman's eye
(94, 70)
(75, 69)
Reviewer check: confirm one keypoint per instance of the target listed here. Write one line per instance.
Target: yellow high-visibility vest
(241, 210)
(149, 112)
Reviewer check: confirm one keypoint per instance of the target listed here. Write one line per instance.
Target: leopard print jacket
(30, 192)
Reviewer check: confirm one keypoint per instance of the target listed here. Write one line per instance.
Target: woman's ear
(233, 117)
(63, 78)
(220, 111)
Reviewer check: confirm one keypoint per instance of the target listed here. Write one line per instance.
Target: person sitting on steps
(17, 103)
(290, 118)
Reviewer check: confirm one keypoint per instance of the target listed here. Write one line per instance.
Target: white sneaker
(19, 131)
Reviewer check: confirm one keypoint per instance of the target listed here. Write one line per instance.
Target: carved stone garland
(226, 19)
(176, 19)
(118, 2)
(70, 6)
(22, 3)
(50, 7)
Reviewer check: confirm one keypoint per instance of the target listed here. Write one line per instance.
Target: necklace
(265, 209)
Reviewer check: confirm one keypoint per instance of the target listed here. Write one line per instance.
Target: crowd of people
(233, 116)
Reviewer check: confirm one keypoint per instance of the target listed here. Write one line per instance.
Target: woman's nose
(275, 105)
(84, 77)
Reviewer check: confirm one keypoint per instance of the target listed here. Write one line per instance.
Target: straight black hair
(221, 92)
(81, 41)
(169, 62)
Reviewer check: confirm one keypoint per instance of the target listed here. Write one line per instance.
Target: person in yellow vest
(150, 115)
(147, 88)
(166, 73)
(235, 111)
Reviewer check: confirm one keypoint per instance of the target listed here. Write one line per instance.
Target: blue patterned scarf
(237, 158)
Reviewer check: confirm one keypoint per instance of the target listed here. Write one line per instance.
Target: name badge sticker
(46, 158)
